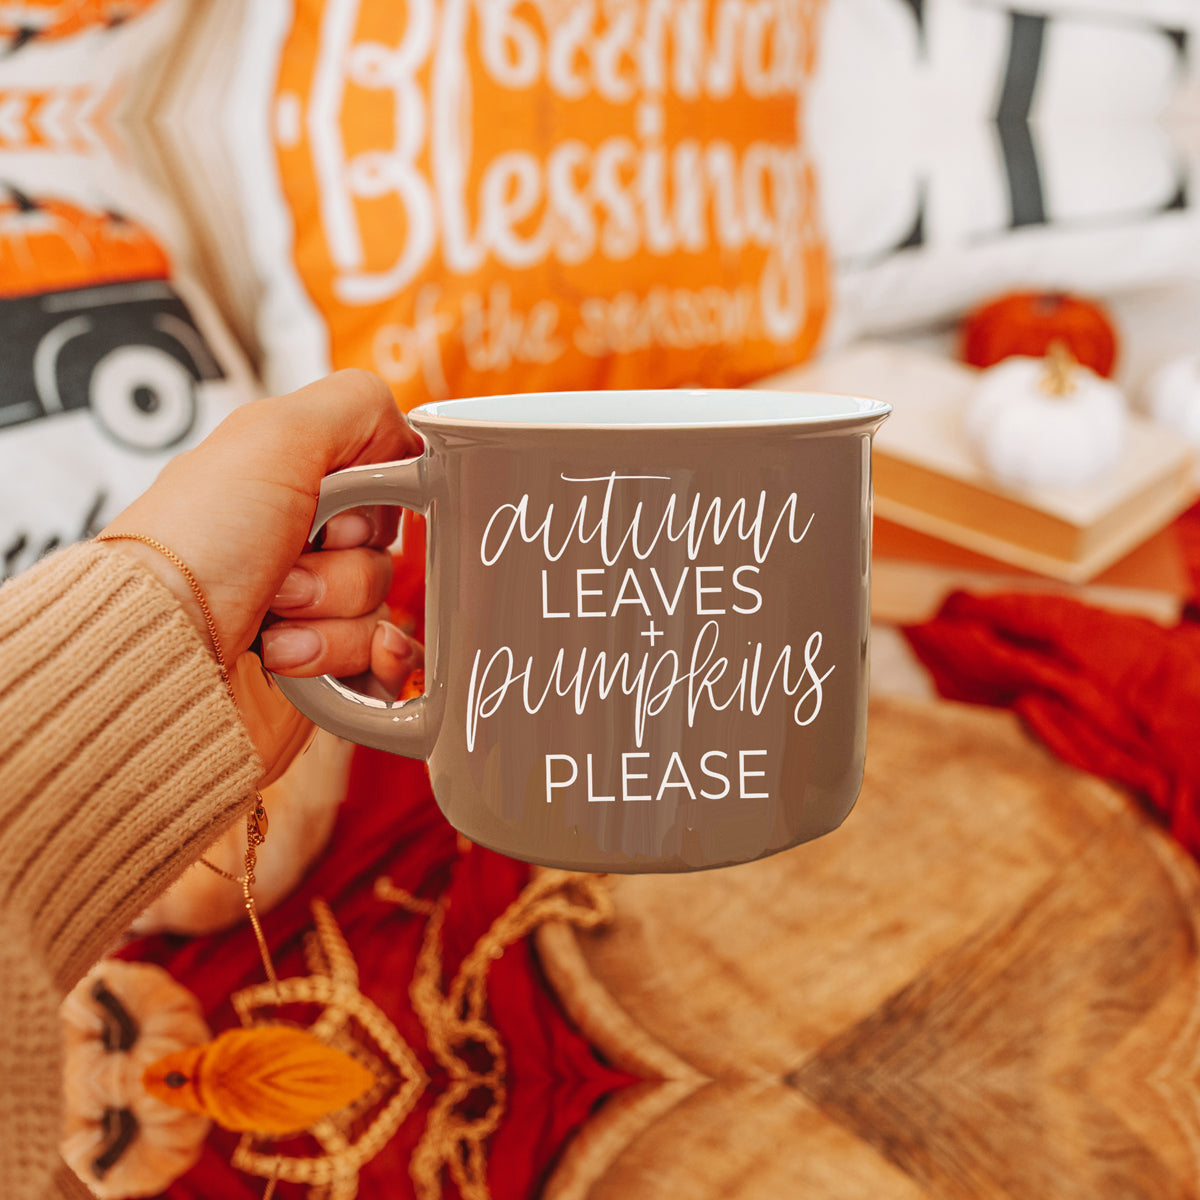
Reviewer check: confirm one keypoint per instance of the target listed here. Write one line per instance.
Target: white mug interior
(673, 409)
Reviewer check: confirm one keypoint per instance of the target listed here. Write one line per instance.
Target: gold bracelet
(192, 582)
(256, 819)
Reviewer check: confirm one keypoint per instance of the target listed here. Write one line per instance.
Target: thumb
(344, 420)
(238, 508)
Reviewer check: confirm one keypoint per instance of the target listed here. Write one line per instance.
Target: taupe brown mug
(647, 622)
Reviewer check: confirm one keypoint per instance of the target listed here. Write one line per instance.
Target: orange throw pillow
(517, 196)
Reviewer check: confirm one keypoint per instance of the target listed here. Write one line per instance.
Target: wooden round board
(983, 986)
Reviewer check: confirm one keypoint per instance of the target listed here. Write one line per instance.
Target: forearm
(121, 754)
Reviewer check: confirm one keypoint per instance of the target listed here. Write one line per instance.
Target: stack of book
(943, 522)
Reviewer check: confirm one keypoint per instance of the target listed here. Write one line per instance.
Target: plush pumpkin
(1172, 396)
(118, 1021)
(144, 1080)
(1026, 324)
(1046, 422)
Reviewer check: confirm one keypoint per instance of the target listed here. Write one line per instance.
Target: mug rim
(847, 411)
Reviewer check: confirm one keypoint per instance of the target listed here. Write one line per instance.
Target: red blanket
(1116, 695)
(390, 825)
(1112, 694)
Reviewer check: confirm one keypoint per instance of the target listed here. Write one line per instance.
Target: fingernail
(348, 530)
(293, 647)
(299, 587)
(395, 643)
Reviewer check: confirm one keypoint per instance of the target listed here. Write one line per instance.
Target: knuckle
(364, 387)
(257, 426)
(362, 583)
(252, 414)
(352, 648)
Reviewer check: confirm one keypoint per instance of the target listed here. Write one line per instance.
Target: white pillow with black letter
(966, 148)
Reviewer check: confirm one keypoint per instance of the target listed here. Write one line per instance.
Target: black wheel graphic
(143, 397)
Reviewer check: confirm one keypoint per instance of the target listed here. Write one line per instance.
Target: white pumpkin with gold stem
(1172, 396)
(1046, 422)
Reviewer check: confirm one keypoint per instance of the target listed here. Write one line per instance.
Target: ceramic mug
(646, 622)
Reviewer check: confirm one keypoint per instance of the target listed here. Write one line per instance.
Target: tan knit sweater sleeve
(121, 759)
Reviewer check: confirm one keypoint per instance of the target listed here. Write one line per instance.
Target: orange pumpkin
(1027, 323)
(50, 245)
(31, 20)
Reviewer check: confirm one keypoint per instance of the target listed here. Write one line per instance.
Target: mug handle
(403, 728)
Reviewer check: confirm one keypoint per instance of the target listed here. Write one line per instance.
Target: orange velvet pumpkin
(1026, 323)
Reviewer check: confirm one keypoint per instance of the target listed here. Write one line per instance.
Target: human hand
(238, 509)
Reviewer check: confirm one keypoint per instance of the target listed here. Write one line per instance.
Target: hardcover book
(928, 477)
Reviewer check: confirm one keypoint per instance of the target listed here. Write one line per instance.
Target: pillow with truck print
(112, 357)
(111, 361)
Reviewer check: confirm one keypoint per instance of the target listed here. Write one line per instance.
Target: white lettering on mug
(677, 686)
(652, 682)
(654, 599)
(673, 776)
(714, 775)
(551, 782)
(745, 773)
(751, 524)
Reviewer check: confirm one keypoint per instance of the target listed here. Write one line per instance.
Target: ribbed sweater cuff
(121, 755)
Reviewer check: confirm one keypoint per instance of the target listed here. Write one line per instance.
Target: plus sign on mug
(647, 619)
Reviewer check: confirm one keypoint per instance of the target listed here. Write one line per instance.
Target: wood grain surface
(983, 986)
